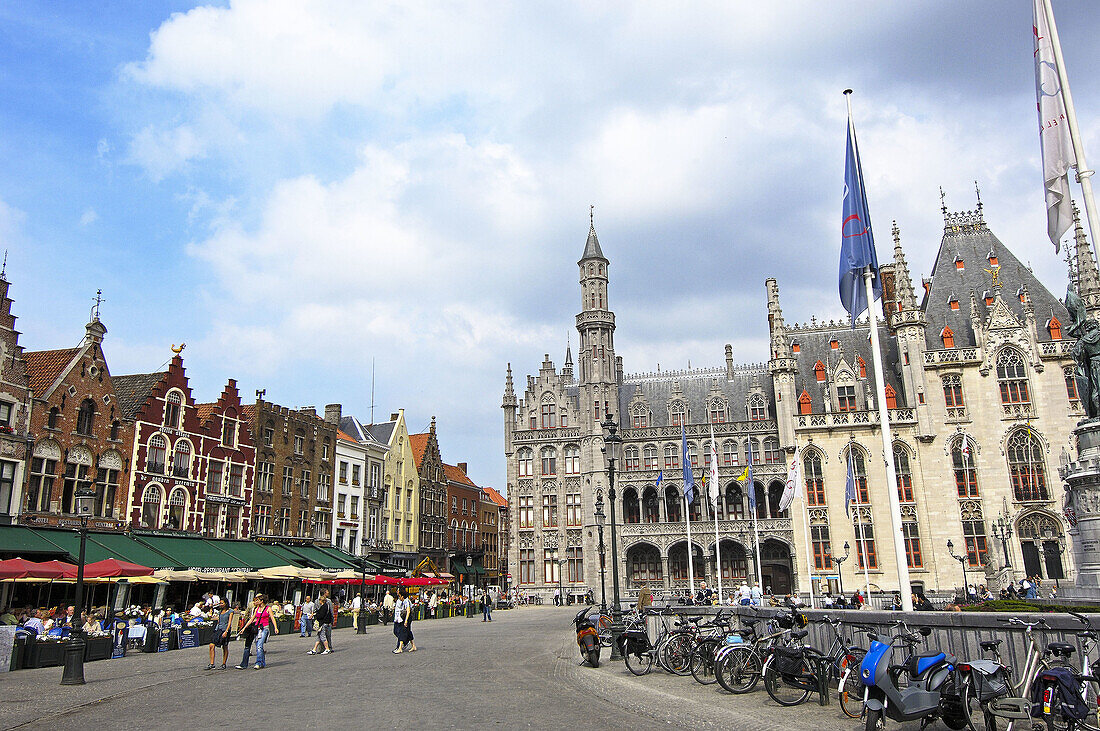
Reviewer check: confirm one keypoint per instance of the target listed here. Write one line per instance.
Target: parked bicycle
(738, 666)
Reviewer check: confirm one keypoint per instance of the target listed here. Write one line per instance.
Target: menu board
(119, 636)
(189, 637)
(165, 634)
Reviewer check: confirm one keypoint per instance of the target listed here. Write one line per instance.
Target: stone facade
(295, 464)
(979, 402)
(15, 408)
(433, 496)
(359, 493)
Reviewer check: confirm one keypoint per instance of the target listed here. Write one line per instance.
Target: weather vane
(178, 350)
(98, 301)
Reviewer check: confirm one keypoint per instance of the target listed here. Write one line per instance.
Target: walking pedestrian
(356, 603)
(557, 597)
(325, 616)
(306, 620)
(387, 607)
(433, 603)
(487, 607)
(260, 616)
(220, 637)
(401, 610)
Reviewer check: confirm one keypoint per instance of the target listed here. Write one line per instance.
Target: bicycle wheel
(603, 629)
(739, 670)
(702, 662)
(977, 718)
(639, 663)
(851, 691)
(677, 654)
(787, 690)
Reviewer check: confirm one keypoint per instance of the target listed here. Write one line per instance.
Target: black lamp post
(600, 518)
(73, 673)
(1002, 531)
(962, 562)
(613, 442)
(470, 597)
(361, 629)
(839, 561)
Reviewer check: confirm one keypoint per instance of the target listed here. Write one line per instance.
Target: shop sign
(189, 637)
(226, 500)
(165, 634)
(57, 521)
(119, 635)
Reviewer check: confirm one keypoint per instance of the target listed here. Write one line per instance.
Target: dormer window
(834, 344)
(819, 371)
(953, 303)
(947, 337)
(891, 397)
(862, 367)
(805, 403)
(1020, 294)
(1054, 328)
(988, 298)
(959, 263)
(796, 348)
(758, 408)
(993, 259)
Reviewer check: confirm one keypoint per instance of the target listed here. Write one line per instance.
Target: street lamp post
(362, 625)
(1002, 531)
(470, 599)
(839, 561)
(561, 586)
(73, 673)
(600, 518)
(962, 563)
(612, 443)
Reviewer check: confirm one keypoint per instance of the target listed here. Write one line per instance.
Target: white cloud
(88, 217)
(164, 151)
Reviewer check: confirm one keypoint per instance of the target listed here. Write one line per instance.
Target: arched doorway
(643, 566)
(735, 564)
(631, 514)
(1042, 545)
(776, 567)
(651, 507)
(678, 565)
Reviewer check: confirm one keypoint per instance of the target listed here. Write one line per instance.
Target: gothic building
(980, 398)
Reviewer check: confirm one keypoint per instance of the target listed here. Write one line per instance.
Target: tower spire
(1088, 277)
(903, 284)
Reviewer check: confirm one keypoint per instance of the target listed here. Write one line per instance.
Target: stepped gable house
(230, 455)
(295, 465)
(15, 408)
(433, 495)
(81, 437)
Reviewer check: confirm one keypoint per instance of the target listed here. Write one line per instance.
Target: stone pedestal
(1082, 481)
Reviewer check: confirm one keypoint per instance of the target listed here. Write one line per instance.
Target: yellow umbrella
(170, 575)
(145, 580)
(281, 573)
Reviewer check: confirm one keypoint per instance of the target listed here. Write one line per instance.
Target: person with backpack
(323, 617)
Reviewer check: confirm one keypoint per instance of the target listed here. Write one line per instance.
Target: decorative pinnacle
(98, 301)
(943, 202)
(4, 270)
(592, 216)
(978, 192)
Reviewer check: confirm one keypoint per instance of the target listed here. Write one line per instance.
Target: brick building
(295, 458)
(15, 406)
(81, 439)
(433, 495)
(493, 532)
(229, 477)
(463, 521)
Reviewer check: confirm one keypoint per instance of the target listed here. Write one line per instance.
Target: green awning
(321, 559)
(458, 568)
(69, 542)
(127, 549)
(341, 556)
(26, 543)
(250, 554)
(192, 553)
(289, 558)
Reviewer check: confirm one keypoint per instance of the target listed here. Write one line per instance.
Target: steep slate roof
(495, 497)
(455, 474)
(815, 344)
(133, 391)
(361, 432)
(967, 237)
(418, 443)
(695, 388)
(592, 248)
(382, 432)
(44, 366)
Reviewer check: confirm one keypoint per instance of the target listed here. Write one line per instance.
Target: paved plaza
(521, 671)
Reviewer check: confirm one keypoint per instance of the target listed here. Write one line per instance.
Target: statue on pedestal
(1086, 353)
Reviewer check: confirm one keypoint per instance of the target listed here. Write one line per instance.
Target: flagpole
(716, 488)
(755, 531)
(691, 565)
(809, 558)
(717, 555)
(1084, 175)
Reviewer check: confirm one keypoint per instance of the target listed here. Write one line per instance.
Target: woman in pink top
(260, 624)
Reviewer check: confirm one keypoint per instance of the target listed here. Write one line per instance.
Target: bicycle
(792, 674)
(638, 652)
(738, 666)
(714, 635)
(674, 650)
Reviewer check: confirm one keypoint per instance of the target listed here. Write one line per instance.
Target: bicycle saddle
(799, 634)
(989, 644)
(1064, 649)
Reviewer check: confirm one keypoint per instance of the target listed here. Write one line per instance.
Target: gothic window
(953, 391)
(693, 454)
(1025, 464)
(547, 415)
(651, 506)
(771, 451)
(717, 412)
(672, 456)
(526, 512)
(155, 453)
(525, 461)
(735, 502)
(962, 462)
(947, 337)
(819, 371)
(1070, 374)
(677, 413)
(846, 398)
(574, 562)
(639, 417)
(172, 405)
(903, 473)
(911, 533)
(1012, 377)
(820, 540)
(644, 564)
(974, 534)
(891, 397)
(150, 507)
(857, 464)
(181, 459)
(573, 511)
(729, 453)
(572, 460)
(758, 408)
(706, 454)
(527, 566)
(651, 459)
(752, 451)
(673, 500)
(549, 458)
(631, 460)
(631, 510)
(865, 540)
(177, 509)
(805, 403)
(814, 476)
(85, 417)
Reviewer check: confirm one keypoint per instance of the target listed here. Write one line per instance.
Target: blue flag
(849, 487)
(749, 483)
(857, 244)
(660, 476)
(689, 478)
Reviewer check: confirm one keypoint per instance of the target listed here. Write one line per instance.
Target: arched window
(729, 453)
(947, 337)
(150, 507)
(454, 533)
(758, 408)
(181, 459)
(1025, 464)
(650, 457)
(85, 417)
(865, 539)
(693, 454)
(631, 511)
(525, 462)
(549, 458)
(735, 502)
(814, 476)
(172, 407)
(155, 453)
(903, 473)
(672, 456)
(717, 411)
(857, 464)
(953, 391)
(677, 413)
(631, 461)
(651, 506)
(891, 397)
(805, 403)
(673, 500)
(963, 451)
(752, 450)
(1070, 375)
(572, 460)
(644, 564)
(771, 451)
(775, 494)
(819, 371)
(1012, 377)
(177, 509)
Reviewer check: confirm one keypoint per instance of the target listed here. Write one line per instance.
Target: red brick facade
(15, 403)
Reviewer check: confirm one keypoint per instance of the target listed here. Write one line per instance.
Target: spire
(592, 248)
(903, 285)
(567, 369)
(1088, 278)
(509, 392)
(780, 348)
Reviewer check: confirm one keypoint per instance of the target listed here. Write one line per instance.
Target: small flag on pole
(849, 487)
(660, 476)
(689, 478)
(713, 482)
(1054, 134)
(857, 244)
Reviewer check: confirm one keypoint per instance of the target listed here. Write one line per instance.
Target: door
(1032, 564)
(1053, 559)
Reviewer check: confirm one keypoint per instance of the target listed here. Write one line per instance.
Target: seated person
(34, 623)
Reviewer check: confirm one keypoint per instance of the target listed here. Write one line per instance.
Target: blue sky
(298, 190)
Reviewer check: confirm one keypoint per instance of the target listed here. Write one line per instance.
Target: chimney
(333, 412)
(312, 411)
(393, 417)
(462, 466)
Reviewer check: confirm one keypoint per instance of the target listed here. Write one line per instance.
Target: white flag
(1054, 140)
(791, 488)
(712, 482)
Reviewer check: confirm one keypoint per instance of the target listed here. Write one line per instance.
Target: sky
(320, 196)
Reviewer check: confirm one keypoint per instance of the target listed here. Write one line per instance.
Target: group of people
(41, 621)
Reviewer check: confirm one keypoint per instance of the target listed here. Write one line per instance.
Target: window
(572, 460)
(527, 566)
(261, 519)
(548, 415)
(288, 480)
(229, 428)
(752, 451)
(1012, 377)
(1025, 465)
(525, 459)
(846, 398)
(464, 506)
(550, 511)
(150, 507)
(181, 459)
(549, 458)
(858, 466)
(210, 520)
(549, 566)
(177, 510)
(115, 427)
(815, 481)
(343, 472)
(904, 474)
(717, 412)
(106, 485)
(862, 366)
(693, 454)
(5, 413)
(527, 512)
(303, 524)
(265, 476)
(912, 544)
(954, 305)
(823, 556)
(771, 452)
(758, 409)
(1055, 329)
(640, 420)
(947, 337)
(564, 419)
(236, 480)
(324, 481)
(865, 545)
(974, 535)
(324, 449)
(454, 504)
(962, 462)
(819, 371)
(215, 471)
(355, 470)
(40, 488)
(172, 406)
(650, 456)
(354, 506)
(953, 391)
(891, 397)
(55, 416)
(805, 403)
(155, 453)
(269, 436)
(574, 563)
(85, 417)
(1071, 385)
(677, 414)
(574, 513)
(299, 443)
(631, 461)
(672, 456)
(534, 423)
(303, 488)
(729, 453)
